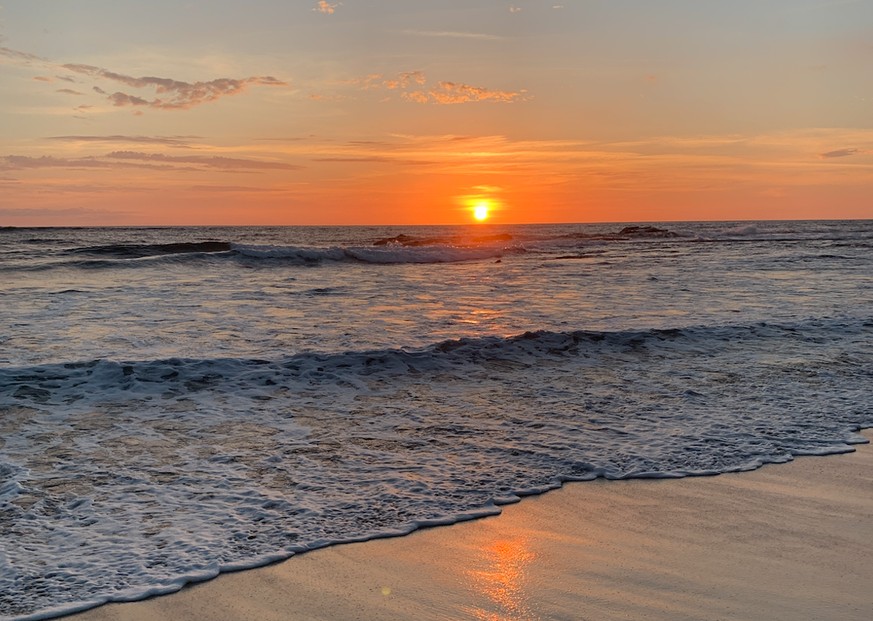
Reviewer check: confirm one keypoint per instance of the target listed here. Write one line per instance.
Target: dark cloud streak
(210, 161)
(839, 153)
(172, 141)
(134, 159)
(178, 95)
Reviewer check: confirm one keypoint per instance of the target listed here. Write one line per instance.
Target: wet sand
(791, 541)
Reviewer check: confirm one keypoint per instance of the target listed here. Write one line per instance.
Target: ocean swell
(384, 254)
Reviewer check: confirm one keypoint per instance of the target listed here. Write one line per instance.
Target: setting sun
(480, 211)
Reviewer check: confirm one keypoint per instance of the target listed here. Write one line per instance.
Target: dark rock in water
(493, 238)
(646, 231)
(407, 240)
(412, 241)
(400, 240)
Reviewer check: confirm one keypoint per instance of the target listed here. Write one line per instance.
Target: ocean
(178, 402)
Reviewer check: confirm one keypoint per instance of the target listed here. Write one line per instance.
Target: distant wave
(133, 256)
(133, 251)
(384, 254)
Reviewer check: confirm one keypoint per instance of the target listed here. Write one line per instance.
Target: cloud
(325, 7)
(375, 81)
(178, 95)
(173, 141)
(456, 93)
(444, 93)
(453, 34)
(515, 9)
(123, 99)
(25, 162)
(134, 159)
(209, 161)
(173, 94)
(416, 97)
(39, 212)
(368, 82)
(839, 153)
(21, 56)
(374, 159)
(405, 79)
(48, 78)
(69, 91)
(320, 97)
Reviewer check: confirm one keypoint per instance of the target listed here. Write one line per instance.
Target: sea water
(177, 402)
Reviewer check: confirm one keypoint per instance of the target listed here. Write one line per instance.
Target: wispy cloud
(377, 80)
(368, 82)
(325, 7)
(444, 92)
(839, 153)
(49, 215)
(20, 56)
(456, 93)
(135, 159)
(178, 95)
(209, 161)
(374, 159)
(172, 141)
(171, 94)
(452, 34)
(404, 79)
(26, 162)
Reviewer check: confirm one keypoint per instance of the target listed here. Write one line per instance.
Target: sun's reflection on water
(501, 578)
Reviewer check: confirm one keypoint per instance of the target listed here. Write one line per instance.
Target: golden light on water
(502, 580)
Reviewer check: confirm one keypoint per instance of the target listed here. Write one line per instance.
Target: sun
(481, 211)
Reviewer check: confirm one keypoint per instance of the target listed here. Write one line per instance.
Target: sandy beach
(791, 541)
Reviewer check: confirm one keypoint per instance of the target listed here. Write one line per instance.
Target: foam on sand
(783, 543)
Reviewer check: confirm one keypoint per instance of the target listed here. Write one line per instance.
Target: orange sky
(392, 112)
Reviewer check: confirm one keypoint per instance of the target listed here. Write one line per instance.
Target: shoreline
(785, 541)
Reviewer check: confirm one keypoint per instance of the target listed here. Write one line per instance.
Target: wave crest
(385, 254)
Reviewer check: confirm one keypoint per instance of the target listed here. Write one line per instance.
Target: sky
(302, 112)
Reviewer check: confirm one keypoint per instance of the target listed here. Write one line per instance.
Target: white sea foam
(745, 230)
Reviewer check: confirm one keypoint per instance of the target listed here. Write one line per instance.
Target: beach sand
(791, 541)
